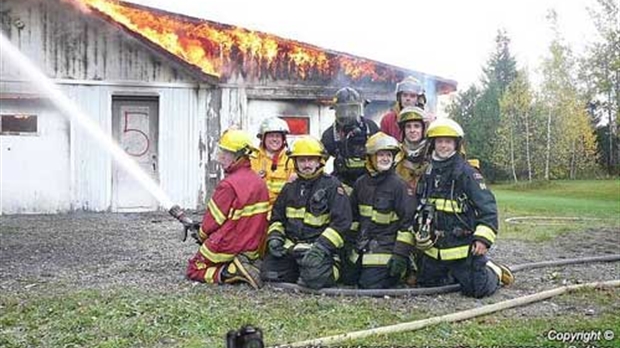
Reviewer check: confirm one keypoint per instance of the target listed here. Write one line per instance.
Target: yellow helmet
(381, 141)
(236, 141)
(410, 113)
(378, 142)
(444, 127)
(307, 146)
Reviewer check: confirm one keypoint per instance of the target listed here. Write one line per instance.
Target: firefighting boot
(242, 269)
(504, 273)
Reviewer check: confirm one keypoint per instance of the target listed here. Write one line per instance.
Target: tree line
(565, 128)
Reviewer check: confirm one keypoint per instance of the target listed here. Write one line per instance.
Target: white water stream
(71, 110)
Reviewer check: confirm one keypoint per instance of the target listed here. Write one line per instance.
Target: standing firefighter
(412, 123)
(409, 93)
(234, 223)
(307, 222)
(346, 138)
(271, 160)
(383, 209)
(459, 215)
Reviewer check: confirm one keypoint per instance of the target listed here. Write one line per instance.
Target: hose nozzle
(179, 214)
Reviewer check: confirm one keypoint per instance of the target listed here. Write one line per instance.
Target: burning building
(164, 86)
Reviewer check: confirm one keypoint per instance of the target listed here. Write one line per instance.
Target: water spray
(72, 112)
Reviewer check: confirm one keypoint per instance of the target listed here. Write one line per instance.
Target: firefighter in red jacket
(409, 92)
(235, 221)
(308, 220)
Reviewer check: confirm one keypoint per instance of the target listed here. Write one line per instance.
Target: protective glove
(193, 231)
(423, 241)
(397, 265)
(276, 247)
(315, 256)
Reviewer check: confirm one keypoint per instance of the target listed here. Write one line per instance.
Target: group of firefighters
(402, 205)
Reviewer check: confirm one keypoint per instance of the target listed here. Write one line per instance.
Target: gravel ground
(106, 251)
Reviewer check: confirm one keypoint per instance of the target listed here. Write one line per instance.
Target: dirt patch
(105, 251)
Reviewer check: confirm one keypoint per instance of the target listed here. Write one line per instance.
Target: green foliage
(558, 132)
(513, 140)
(600, 73)
(571, 145)
(478, 112)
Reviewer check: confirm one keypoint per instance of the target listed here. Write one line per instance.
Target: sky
(448, 38)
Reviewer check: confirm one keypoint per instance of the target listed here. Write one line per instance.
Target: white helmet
(272, 124)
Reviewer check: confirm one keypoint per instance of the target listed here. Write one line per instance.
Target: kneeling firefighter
(457, 221)
(307, 222)
(383, 208)
(234, 223)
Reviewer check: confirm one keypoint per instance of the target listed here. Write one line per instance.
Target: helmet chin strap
(316, 173)
(436, 156)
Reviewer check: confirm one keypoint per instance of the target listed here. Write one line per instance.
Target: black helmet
(349, 106)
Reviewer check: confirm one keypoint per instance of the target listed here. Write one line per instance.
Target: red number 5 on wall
(135, 129)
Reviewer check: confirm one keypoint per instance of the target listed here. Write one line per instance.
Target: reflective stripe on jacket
(274, 178)
(383, 208)
(465, 209)
(235, 220)
(307, 211)
(349, 153)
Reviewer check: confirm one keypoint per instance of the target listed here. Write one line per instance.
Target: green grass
(201, 318)
(596, 201)
(508, 329)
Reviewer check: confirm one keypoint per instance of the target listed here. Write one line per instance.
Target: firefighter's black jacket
(383, 208)
(312, 210)
(465, 209)
(348, 149)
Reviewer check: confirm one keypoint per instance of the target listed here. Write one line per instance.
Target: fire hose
(189, 226)
(452, 317)
(435, 290)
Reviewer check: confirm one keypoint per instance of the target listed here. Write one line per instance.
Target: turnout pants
(476, 278)
(287, 269)
(201, 269)
(369, 271)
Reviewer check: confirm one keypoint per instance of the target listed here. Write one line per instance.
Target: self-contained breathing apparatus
(350, 149)
(425, 236)
(350, 134)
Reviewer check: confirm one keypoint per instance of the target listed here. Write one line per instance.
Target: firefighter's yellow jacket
(275, 172)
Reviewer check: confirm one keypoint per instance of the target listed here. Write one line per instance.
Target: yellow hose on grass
(453, 317)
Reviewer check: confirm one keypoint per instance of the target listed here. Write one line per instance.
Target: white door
(134, 127)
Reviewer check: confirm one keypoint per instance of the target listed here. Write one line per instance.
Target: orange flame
(219, 49)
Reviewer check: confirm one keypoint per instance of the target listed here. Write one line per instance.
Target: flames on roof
(223, 50)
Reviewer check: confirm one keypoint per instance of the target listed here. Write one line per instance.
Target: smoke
(79, 4)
